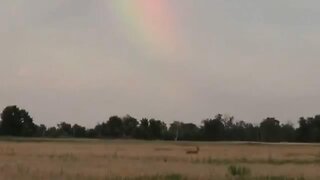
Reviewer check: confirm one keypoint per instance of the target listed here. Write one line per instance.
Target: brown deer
(196, 151)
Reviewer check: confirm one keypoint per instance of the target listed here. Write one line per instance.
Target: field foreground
(105, 159)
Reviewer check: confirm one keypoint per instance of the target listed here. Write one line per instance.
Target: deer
(193, 151)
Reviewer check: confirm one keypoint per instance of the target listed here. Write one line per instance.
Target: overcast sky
(79, 61)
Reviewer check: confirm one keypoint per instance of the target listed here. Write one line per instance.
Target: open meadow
(37, 159)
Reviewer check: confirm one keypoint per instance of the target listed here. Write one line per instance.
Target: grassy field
(38, 159)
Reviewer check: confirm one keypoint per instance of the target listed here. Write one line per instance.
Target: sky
(83, 61)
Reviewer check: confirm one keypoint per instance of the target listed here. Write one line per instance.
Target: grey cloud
(71, 61)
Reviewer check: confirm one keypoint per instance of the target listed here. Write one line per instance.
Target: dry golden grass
(106, 159)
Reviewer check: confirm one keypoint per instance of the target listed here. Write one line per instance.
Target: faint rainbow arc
(149, 22)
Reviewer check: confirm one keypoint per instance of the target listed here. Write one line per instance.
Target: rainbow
(148, 23)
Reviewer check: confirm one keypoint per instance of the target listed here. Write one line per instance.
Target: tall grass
(131, 160)
(238, 172)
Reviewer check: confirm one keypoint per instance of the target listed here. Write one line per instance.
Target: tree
(52, 132)
(288, 132)
(309, 129)
(115, 127)
(231, 130)
(252, 132)
(175, 131)
(65, 129)
(130, 126)
(143, 129)
(315, 128)
(101, 130)
(235, 131)
(157, 129)
(184, 131)
(28, 127)
(270, 130)
(78, 131)
(213, 129)
(41, 130)
(11, 123)
(17, 122)
(91, 133)
(302, 131)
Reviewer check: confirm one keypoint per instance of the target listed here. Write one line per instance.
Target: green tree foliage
(238, 131)
(41, 130)
(303, 130)
(157, 129)
(52, 132)
(11, 123)
(28, 127)
(130, 125)
(79, 131)
(91, 133)
(309, 129)
(64, 129)
(213, 129)
(184, 131)
(270, 130)
(101, 130)
(115, 127)
(17, 122)
(143, 131)
(288, 132)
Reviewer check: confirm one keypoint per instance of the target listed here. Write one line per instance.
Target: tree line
(18, 122)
